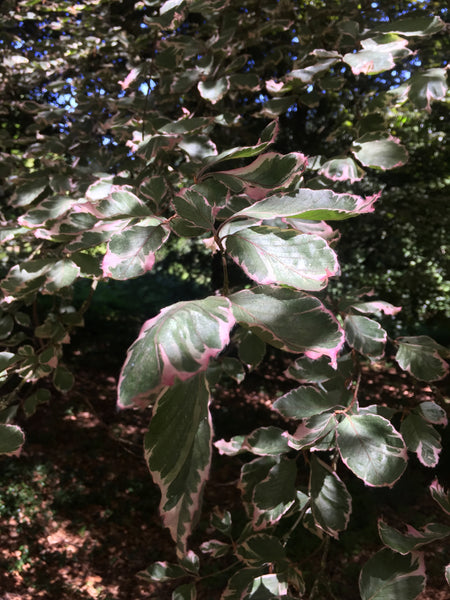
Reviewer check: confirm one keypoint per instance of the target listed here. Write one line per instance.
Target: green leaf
(274, 495)
(331, 503)
(174, 346)
(178, 453)
(6, 326)
(290, 320)
(371, 448)
(390, 576)
(259, 549)
(239, 582)
(268, 587)
(421, 438)
(41, 396)
(61, 274)
(432, 413)
(422, 357)
(267, 441)
(365, 335)
(312, 431)
(413, 538)
(307, 401)
(12, 439)
(413, 26)
(311, 204)
(63, 379)
(251, 349)
(215, 548)
(187, 591)
(283, 257)
(378, 153)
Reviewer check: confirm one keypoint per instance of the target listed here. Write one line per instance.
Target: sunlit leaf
(307, 401)
(422, 357)
(379, 153)
(365, 335)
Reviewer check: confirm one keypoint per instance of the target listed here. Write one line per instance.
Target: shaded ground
(79, 511)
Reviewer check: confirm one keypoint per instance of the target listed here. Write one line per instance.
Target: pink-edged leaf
(391, 576)
(331, 504)
(377, 307)
(378, 54)
(175, 345)
(311, 431)
(412, 26)
(261, 548)
(447, 574)
(421, 438)
(48, 210)
(413, 538)
(342, 169)
(131, 252)
(440, 496)
(239, 582)
(371, 448)
(12, 439)
(268, 172)
(274, 495)
(264, 441)
(283, 256)
(319, 228)
(268, 586)
(378, 153)
(307, 401)
(289, 320)
(365, 335)
(214, 90)
(422, 357)
(215, 548)
(178, 453)
(424, 88)
(120, 202)
(194, 208)
(316, 205)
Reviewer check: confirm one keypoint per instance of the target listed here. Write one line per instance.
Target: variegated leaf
(391, 576)
(174, 345)
(311, 431)
(308, 401)
(331, 503)
(371, 151)
(365, 335)
(290, 320)
(178, 453)
(422, 357)
(422, 438)
(274, 495)
(440, 496)
(413, 538)
(316, 205)
(12, 439)
(371, 448)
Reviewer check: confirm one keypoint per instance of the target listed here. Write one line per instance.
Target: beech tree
(254, 128)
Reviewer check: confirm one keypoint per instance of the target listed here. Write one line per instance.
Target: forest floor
(79, 512)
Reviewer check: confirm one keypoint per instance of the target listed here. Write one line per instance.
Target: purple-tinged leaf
(342, 169)
(371, 448)
(162, 572)
(391, 576)
(316, 205)
(275, 495)
(215, 548)
(424, 88)
(187, 591)
(440, 496)
(187, 125)
(384, 154)
(131, 252)
(331, 504)
(422, 357)
(175, 345)
(413, 538)
(268, 172)
(319, 228)
(311, 431)
(178, 452)
(289, 320)
(378, 54)
(234, 446)
(308, 401)
(421, 438)
(12, 439)
(261, 548)
(447, 574)
(432, 413)
(195, 208)
(48, 210)
(284, 257)
(365, 335)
